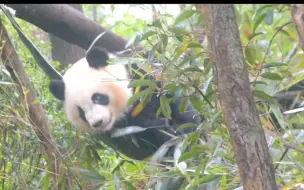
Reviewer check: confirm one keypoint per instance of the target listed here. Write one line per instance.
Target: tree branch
(69, 24)
(297, 12)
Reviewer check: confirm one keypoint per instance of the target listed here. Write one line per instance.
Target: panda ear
(57, 88)
(97, 57)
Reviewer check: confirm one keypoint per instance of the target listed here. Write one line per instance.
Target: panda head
(94, 93)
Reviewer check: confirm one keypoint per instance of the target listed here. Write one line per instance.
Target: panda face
(94, 96)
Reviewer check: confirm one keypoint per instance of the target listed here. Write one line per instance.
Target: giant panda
(95, 96)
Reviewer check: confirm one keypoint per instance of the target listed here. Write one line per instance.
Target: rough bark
(297, 12)
(69, 24)
(63, 51)
(36, 113)
(241, 116)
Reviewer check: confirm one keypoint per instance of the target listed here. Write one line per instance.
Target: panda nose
(98, 124)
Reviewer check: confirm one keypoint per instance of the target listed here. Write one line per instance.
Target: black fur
(101, 99)
(57, 88)
(152, 138)
(97, 57)
(81, 114)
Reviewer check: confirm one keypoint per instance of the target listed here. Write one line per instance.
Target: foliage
(269, 42)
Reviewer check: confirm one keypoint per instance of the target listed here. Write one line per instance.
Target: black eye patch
(101, 99)
(81, 114)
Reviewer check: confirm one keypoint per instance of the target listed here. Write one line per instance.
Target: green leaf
(152, 52)
(178, 30)
(138, 95)
(195, 45)
(262, 95)
(259, 82)
(183, 16)
(171, 87)
(199, 19)
(164, 41)
(258, 22)
(134, 40)
(142, 82)
(250, 55)
(255, 34)
(148, 34)
(259, 10)
(88, 174)
(196, 102)
(269, 17)
(278, 114)
(224, 181)
(46, 181)
(283, 31)
(272, 76)
(179, 50)
(157, 23)
(165, 106)
(128, 185)
(190, 154)
(215, 118)
(207, 65)
(185, 125)
(274, 64)
(137, 39)
(180, 38)
(183, 105)
(158, 112)
(200, 168)
(206, 179)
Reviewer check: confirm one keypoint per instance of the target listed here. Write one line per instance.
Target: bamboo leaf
(271, 76)
(165, 106)
(183, 16)
(138, 95)
(142, 82)
(262, 95)
(258, 22)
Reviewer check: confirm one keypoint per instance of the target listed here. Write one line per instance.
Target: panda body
(95, 97)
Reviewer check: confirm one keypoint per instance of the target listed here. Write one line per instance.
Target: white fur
(82, 81)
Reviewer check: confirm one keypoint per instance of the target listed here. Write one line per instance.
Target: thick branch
(297, 12)
(63, 51)
(36, 112)
(241, 116)
(69, 24)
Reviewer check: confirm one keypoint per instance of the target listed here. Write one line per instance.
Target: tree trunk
(232, 81)
(63, 51)
(68, 23)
